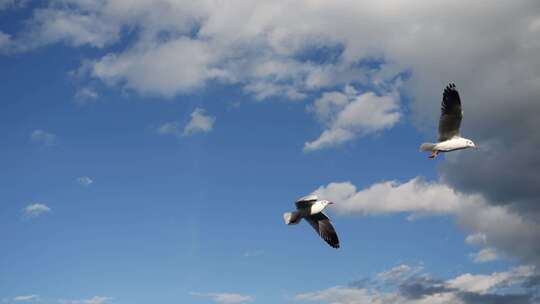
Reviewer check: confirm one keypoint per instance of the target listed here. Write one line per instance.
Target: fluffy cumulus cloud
(199, 122)
(349, 114)
(489, 225)
(226, 298)
(36, 209)
(169, 68)
(180, 46)
(414, 287)
(52, 25)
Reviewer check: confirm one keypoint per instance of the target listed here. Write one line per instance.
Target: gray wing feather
(322, 225)
(451, 113)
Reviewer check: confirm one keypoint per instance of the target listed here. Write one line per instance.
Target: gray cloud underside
(411, 285)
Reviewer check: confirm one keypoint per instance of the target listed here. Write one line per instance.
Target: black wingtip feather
(450, 92)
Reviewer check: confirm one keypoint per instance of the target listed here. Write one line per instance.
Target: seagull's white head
(470, 144)
(326, 203)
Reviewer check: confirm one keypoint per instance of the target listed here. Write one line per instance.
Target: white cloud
(342, 295)
(75, 28)
(497, 226)
(179, 45)
(484, 283)
(399, 272)
(175, 47)
(226, 298)
(167, 59)
(199, 123)
(36, 209)
(348, 115)
(93, 300)
(415, 196)
(169, 128)
(253, 253)
(485, 255)
(86, 95)
(167, 69)
(43, 137)
(476, 239)
(26, 298)
(85, 181)
(424, 289)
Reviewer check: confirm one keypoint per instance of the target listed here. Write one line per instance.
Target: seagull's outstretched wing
(321, 223)
(306, 201)
(451, 113)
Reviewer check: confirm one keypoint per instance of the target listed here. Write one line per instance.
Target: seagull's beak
(330, 203)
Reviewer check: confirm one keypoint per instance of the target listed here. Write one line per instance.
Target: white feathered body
(455, 143)
(292, 218)
(317, 207)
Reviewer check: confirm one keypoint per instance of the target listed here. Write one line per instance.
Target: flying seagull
(310, 208)
(451, 115)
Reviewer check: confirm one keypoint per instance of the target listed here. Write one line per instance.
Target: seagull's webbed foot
(433, 154)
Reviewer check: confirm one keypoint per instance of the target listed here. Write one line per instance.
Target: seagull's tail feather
(427, 147)
(292, 218)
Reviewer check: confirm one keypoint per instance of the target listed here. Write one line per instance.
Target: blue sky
(150, 150)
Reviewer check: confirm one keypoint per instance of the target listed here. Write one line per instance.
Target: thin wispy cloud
(27, 298)
(84, 181)
(93, 300)
(13, 4)
(36, 209)
(86, 95)
(225, 298)
(43, 137)
(476, 239)
(253, 253)
(169, 128)
(399, 272)
(485, 255)
(5, 40)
